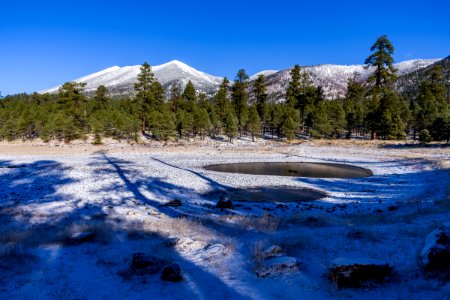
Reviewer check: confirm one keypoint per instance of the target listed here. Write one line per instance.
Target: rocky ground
(122, 221)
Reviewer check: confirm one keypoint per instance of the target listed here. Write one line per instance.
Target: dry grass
(257, 255)
(264, 223)
(13, 244)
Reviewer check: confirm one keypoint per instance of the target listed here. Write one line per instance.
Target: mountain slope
(120, 80)
(333, 78)
(409, 83)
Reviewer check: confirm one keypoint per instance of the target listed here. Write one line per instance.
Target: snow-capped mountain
(333, 78)
(120, 80)
(265, 73)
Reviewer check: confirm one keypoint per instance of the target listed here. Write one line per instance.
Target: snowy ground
(116, 192)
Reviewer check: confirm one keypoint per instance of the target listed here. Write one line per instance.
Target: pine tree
(353, 106)
(175, 97)
(426, 108)
(190, 97)
(202, 124)
(260, 92)
(289, 122)
(185, 123)
(381, 59)
(254, 123)
(430, 108)
(144, 93)
(384, 73)
(240, 99)
(301, 94)
(294, 87)
(221, 100)
(320, 124)
(203, 101)
(158, 96)
(215, 119)
(162, 124)
(71, 103)
(230, 124)
(336, 118)
(100, 98)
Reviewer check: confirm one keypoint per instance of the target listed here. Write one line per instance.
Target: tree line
(369, 109)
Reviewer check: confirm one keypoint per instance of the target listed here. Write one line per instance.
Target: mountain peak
(333, 78)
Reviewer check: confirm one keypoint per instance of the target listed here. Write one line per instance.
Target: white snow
(333, 78)
(265, 73)
(168, 73)
(121, 191)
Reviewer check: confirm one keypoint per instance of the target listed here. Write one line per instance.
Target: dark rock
(435, 255)
(392, 208)
(81, 237)
(171, 273)
(354, 234)
(174, 203)
(351, 273)
(273, 251)
(224, 202)
(277, 265)
(171, 242)
(147, 264)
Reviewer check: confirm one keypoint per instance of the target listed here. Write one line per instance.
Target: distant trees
(430, 109)
(242, 109)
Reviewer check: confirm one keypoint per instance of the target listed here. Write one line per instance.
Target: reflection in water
(295, 169)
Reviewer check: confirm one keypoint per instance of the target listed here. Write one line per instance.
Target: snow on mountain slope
(265, 73)
(333, 78)
(120, 80)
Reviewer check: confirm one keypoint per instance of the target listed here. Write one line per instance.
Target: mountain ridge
(333, 78)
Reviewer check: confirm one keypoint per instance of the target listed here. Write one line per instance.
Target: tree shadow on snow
(25, 191)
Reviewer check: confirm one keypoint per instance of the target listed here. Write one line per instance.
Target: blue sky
(44, 43)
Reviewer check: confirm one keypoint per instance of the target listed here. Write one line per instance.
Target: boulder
(171, 273)
(435, 256)
(187, 244)
(147, 264)
(173, 203)
(224, 202)
(211, 251)
(278, 265)
(355, 273)
(81, 237)
(273, 251)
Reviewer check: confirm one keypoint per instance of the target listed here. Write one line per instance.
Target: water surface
(295, 169)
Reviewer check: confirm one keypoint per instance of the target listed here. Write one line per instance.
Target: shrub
(425, 136)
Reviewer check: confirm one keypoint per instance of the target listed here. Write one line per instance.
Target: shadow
(33, 183)
(29, 196)
(37, 206)
(416, 146)
(213, 184)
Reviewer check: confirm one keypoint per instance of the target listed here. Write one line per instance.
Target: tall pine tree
(239, 97)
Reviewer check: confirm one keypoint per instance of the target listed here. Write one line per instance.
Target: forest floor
(115, 193)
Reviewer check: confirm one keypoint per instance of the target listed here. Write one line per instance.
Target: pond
(295, 169)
